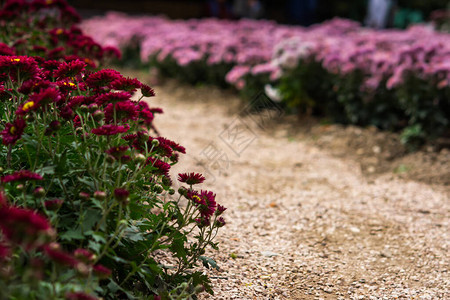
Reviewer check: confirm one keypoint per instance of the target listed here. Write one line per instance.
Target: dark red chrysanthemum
(112, 52)
(110, 129)
(55, 253)
(101, 271)
(24, 227)
(117, 152)
(84, 255)
(6, 50)
(220, 222)
(121, 195)
(147, 91)
(205, 201)
(54, 204)
(126, 84)
(79, 296)
(112, 97)
(220, 210)
(191, 178)
(69, 69)
(123, 111)
(13, 131)
(39, 99)
(162, 168)
(172, 144)
(103, 78)
(19, 67)
(145, 115)
(22, 175)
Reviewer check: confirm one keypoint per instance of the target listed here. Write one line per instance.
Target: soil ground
(314, 211)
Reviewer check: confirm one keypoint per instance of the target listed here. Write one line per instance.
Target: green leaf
(72, 235)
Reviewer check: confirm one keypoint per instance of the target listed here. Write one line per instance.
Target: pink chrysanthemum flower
(191, 178)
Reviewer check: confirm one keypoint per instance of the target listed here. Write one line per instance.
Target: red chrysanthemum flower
(22, 175)
(84, 255)
(147, 91)
(162, 168)
(39, 99)
(69, 69)
(101, 271)
(54, 204)
(117, 152)
(54, 252)
(145, 115)
(112, 97)
(220, 210)
(126, 84)
(6, 50)
(124, 111)
(220, 222)
(24, 227)
(79, 296)
(13, 131)
(205, 201)
(112, 52)
(110, 129)
(22, 67)
(103, 78)
(172, 144)
(191, 178)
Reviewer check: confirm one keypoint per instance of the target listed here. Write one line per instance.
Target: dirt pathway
(303, 224)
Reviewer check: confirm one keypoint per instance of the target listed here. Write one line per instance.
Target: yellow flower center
(49, 2)
(12, 130)
(15, 59)
(59, 31)
(28, 105)
(197, 198)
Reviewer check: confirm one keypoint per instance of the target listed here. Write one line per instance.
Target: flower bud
(84, 196)
(99, 195)
(139, 158)
(157, 189)
(30, 118)
(98, 115)
(93, 107)
(171, 191)
(84, 108)
(199, 288)
(155, 143)
(121, 195)
(54, 204)
(182, 191)
(20, 187)
(39, 192)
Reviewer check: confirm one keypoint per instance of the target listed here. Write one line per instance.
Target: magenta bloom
(112, 97)
(39, 99)
(54, 252)
(121, 195)
(22, 175)
(220, 222)
(101, 271)
(103, 78)
(162, 168)
(220, 210)
(13, 132)
(126, 84)
(24, 227)
(84, 255)
(54, 204)
(110, 129)
(16, 67)
(125, 110)
(147, 91)
(117, 152)
(191, 178)
(79, 296)
(69, 69)
(205, 201)
(172, 144)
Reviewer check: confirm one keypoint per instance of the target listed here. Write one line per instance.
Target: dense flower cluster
(392, 79)
(47, 29)
(85, 170)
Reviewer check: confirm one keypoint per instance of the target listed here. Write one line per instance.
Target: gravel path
(303, 224)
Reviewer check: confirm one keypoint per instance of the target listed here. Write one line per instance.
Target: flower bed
(87, 205)
(391, 79)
